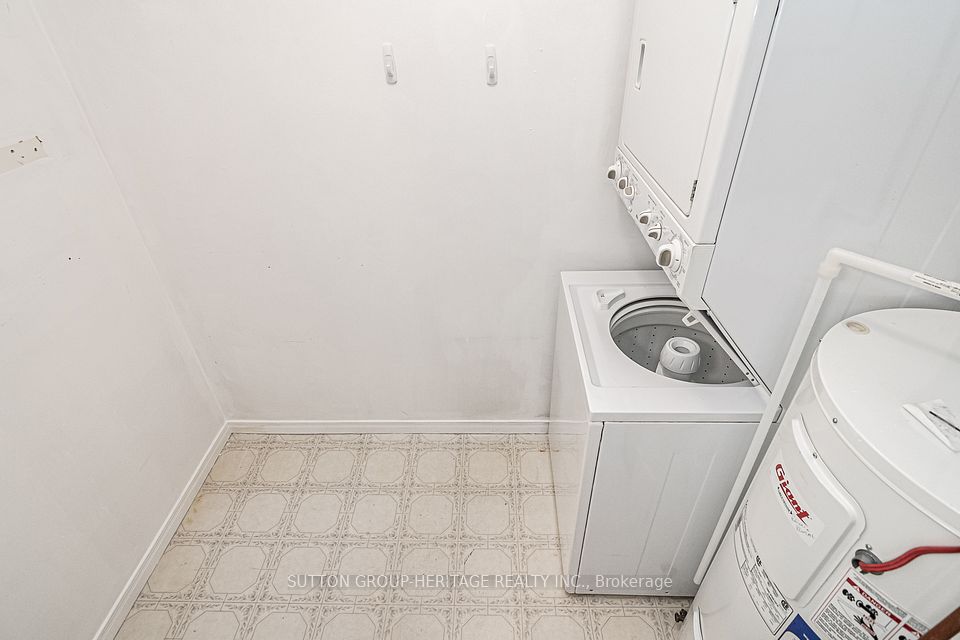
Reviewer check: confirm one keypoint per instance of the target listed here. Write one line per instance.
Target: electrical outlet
(21, 153)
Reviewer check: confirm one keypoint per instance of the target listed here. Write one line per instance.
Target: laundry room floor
(276, 506)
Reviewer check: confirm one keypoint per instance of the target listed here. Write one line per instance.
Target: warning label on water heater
(767, 598)
(856, 610)
(796, 508)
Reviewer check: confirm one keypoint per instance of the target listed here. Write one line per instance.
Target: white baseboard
(111, 625)
(387, 426)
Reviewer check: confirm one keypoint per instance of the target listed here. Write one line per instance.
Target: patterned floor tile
(379, 537)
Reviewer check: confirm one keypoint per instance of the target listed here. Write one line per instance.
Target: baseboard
(387, 426)
(111, 625)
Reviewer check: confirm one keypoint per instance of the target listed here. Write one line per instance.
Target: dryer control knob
(655, 231)
(644, 216)
(629, 191)
(668, 255)
(622, 183)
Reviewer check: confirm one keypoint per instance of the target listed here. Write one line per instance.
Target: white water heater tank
(865, 468)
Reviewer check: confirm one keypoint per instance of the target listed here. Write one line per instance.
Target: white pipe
(829, 269)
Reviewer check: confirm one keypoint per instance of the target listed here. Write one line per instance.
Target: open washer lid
(617, 387)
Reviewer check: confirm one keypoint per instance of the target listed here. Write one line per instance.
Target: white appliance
(865, 467)
(757, 129)
(642, 459)
(691, 79)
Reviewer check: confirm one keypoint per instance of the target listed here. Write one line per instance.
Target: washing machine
(651, 415)
(850, 529)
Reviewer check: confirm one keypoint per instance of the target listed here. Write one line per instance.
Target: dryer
(651, 416)
(749, 131)
(691, 78)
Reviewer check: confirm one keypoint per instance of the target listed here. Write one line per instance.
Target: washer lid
(868, 367)
(616, 388)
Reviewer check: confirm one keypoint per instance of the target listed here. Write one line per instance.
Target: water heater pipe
(902, 560)
(829, 269)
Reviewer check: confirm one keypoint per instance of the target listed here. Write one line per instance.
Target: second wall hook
(389, 64)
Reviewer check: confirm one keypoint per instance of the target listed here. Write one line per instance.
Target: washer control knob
(644, 216)
(668, 255)
(613, 171)
(622, 183)
(629, 191)
(655, 231)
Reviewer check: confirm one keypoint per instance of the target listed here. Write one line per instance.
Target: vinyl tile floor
(276, 509)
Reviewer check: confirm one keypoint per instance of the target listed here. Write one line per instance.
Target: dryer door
(675, 61)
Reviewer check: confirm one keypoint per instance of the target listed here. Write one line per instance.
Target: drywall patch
(22, 153)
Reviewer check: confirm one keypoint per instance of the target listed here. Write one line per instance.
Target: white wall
(104, 412)
(340, 248)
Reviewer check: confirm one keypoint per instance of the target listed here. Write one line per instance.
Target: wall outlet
(21, 153)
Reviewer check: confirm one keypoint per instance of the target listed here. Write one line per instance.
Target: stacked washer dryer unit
(653, 407)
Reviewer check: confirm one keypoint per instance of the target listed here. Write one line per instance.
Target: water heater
(850, 529)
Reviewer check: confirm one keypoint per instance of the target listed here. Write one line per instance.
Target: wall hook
(389, 64)
(491, 65)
